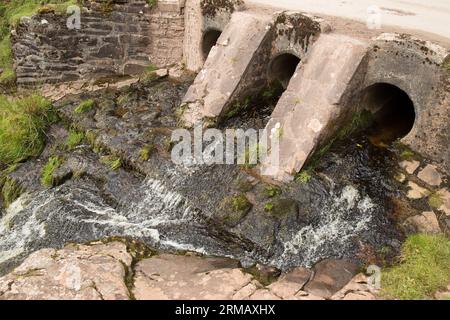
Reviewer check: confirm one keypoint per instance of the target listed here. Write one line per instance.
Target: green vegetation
(150, 68)
(234, 209)
(240, 203)
(74, 139)
(144, 153)
(10, 192)
(447, 64)
(268, 206)
(407, 154)
(435, 201)
(22, 127)
(8, 76)
(113, 162)
(47, 178)
(304, 176)
(152, 3)
(85, 106)
(238, 107)
(271, 191)
(423, 270)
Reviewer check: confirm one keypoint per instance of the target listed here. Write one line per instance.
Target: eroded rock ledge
(117, 271)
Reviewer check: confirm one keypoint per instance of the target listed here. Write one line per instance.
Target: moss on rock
(234, 210)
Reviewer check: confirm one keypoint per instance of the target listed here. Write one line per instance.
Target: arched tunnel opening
(393, 113)
(209, 40)
(283, 67)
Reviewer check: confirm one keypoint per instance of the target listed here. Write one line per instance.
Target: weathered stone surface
(444, 195)
(100, 271)
(416, 192)
(426, 222)
(330, 276)
(309, 108)
(201, 16)
(162, 277)
(357, 289)
(76, 272)
(264, 294)
(444, 294)
(122, 42)
(290, 283)
(225, 66)
(410, 166)
(416, 67)
(430, 175)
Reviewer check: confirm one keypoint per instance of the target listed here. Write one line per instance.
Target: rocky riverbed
(357, 204)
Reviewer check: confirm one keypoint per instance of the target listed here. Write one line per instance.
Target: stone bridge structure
(236, 51)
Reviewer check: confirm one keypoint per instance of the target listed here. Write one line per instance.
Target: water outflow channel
(343, 209)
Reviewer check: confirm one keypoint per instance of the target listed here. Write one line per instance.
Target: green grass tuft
(74, 139)
(144, 153)
(240, 203)
(424, 268)
(268, 206)
(304, 176)
(85, 106)
(407, 155)
(271, 191)
(113, 162)
(47, 178)
(435, 201)
(22, 127)
(8, 76)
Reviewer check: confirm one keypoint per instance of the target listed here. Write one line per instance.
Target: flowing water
(345, 207)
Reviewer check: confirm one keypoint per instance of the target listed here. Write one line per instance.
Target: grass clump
(271, 191)
(423, 270)
(47, 178)
(113, 162)
(74, 139)
(11, 191)
(22, 127)
(269, 207)
(144, 153)
(435, 201)
(304, 176)
(152, 3)
(240, 203)
(85, 106)
(407, 155)
(8, 76)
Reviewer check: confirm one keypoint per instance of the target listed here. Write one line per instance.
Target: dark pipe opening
(393, 112)
(283, 67)
(209, 40)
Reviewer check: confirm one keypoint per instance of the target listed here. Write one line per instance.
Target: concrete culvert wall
(209, 40)
(393, 112)
(282, 68)
(416, 67)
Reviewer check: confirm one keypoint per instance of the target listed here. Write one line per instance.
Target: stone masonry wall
(117, 39)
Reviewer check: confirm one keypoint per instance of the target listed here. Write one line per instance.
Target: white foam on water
(334, 229)
(183, 246)
(16, 237)
(161, 204)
